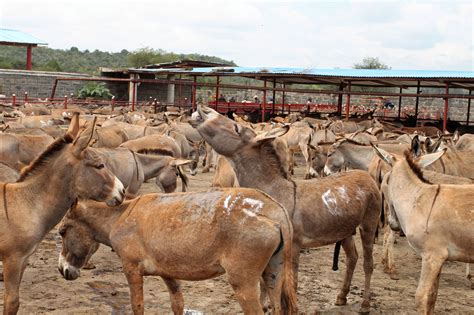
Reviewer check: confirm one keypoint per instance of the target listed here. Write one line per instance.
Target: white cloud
(403, 34)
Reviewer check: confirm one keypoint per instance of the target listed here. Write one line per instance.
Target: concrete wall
(37, 83)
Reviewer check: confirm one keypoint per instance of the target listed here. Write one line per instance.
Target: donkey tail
(289, 301)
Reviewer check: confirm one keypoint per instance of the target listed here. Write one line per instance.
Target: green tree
(371, 63)
(95, 90)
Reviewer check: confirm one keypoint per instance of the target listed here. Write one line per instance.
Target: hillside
(75, 60)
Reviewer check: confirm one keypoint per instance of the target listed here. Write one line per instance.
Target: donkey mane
(414, 167)
(356, 143)
(274, 159)
(156, 151)
(42, 159)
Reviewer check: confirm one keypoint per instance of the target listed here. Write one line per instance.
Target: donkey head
(335, 159)
(225, 135)
(91, 179)
(78, 244)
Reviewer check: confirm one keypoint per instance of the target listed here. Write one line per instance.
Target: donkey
(46, 189)
(434, 217)
(190, 236)
(322, 210)
(349, 153)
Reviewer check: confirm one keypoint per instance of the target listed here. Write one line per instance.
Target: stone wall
(37, 83)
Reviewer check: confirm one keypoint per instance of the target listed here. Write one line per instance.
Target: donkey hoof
(341, 301)
(394, 275)
(364, 307)
(89, 266)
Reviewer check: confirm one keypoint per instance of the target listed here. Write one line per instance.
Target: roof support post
(400, 103)
(283, 100)
(348, 100)
(273, 97)
(468, 108)
(217, 90)
(264, 100)
(170, 92)
(193, 101)
(417, 101)
(446, 108)
(29, 63)
(339, 99)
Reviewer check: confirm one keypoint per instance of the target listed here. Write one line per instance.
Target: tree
(371, 63)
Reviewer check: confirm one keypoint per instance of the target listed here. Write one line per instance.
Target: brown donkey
(323, 211)
(46, 189)
(190, 236)
(436, 218)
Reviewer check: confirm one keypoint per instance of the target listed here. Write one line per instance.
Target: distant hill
(75, 60)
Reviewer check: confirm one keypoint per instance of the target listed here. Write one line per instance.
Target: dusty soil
(104, 290)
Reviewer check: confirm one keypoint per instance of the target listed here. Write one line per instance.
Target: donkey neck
(359, 156)
(405, 189)
(100, 219)
(252, 171)
(151, 164)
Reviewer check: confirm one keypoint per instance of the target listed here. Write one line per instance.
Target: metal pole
(273, 97)
(193, 101)
(13, 100)
(417, 102)
(29, 63)
(180, 90)
(339, 99)
(446, 105)
(283, 100)
(348, 100)
(264, 101)
(26, 97)
(468, 108)
(113, 102)
(134, 94)
(400, 103)
(217, 89)
(65, 101)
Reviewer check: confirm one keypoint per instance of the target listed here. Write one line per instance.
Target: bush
(95, 90)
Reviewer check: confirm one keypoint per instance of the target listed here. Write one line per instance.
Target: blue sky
(435, 35)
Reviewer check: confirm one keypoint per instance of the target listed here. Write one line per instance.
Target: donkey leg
(176, 295)
(367, 237)
(135, 283)
(273, 280)
(469, 276)
(13, 269)
(351, 260)
(247, 293)
(387, 253)
(427, 290)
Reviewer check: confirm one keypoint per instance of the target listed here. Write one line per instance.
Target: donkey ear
(416, 146)
(428, 159)
(384, 155)
(73, 129)
(456, 136)
(272, 134)
(83, 139)
(179, 162)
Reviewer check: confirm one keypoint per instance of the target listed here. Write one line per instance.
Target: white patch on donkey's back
(343, 193)
(255, 206)
(330, 202)
(229, 206)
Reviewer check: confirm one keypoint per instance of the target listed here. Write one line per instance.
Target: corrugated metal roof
(18, 37)
(348, 73)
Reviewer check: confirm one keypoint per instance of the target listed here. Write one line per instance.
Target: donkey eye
(100, 166)
(62, 232)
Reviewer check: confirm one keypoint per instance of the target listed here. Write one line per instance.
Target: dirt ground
(104, 290)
